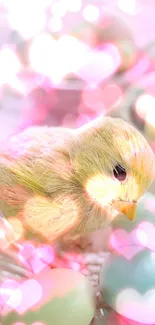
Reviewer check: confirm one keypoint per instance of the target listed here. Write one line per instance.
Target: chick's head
(113, 163)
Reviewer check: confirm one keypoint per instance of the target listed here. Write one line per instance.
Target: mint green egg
(71, 301)
(127, 279)
(127, 283)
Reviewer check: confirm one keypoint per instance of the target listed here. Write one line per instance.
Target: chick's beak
(127, 208)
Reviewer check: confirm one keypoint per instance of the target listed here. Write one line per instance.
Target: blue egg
(127, 283)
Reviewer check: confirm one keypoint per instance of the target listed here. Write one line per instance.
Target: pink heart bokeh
(136, 306)
(143, 236)
(31, 294)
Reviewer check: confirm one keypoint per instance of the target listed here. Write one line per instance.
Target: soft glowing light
(22, 17)
(91, 13)
(142, 236)
(55, 24)
(27, 300)
(56, 58)
(7, 235)
(15, 299)
(120, 238)
(98, 65)
(31, 80)
(150, 118)
(18, 86)
(127, 243)
(145, 108)
(136, 306)
(9, 66)
(26, 254)
(30, 257)
(15, 4)
(41, 53)
(101, 189)
(73, 6)
(75, 266)
(127, 6)
(27, 251)
(146, 234)
(150, 205)
(17, 227)
(7, 287)
(70, 53)
(2, 234)
(46, 253)
(58, 9)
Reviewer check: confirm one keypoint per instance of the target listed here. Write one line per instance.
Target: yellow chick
(57, 182)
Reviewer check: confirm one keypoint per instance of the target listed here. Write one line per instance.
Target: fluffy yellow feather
(60, 182)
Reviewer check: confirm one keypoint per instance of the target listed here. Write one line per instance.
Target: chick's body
(59, 182)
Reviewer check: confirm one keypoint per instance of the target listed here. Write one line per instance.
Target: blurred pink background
(64, 62)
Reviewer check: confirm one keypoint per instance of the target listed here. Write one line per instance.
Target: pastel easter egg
(127, 283)
(58, 296)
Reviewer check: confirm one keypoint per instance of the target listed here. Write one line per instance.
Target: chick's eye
(119, 173)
